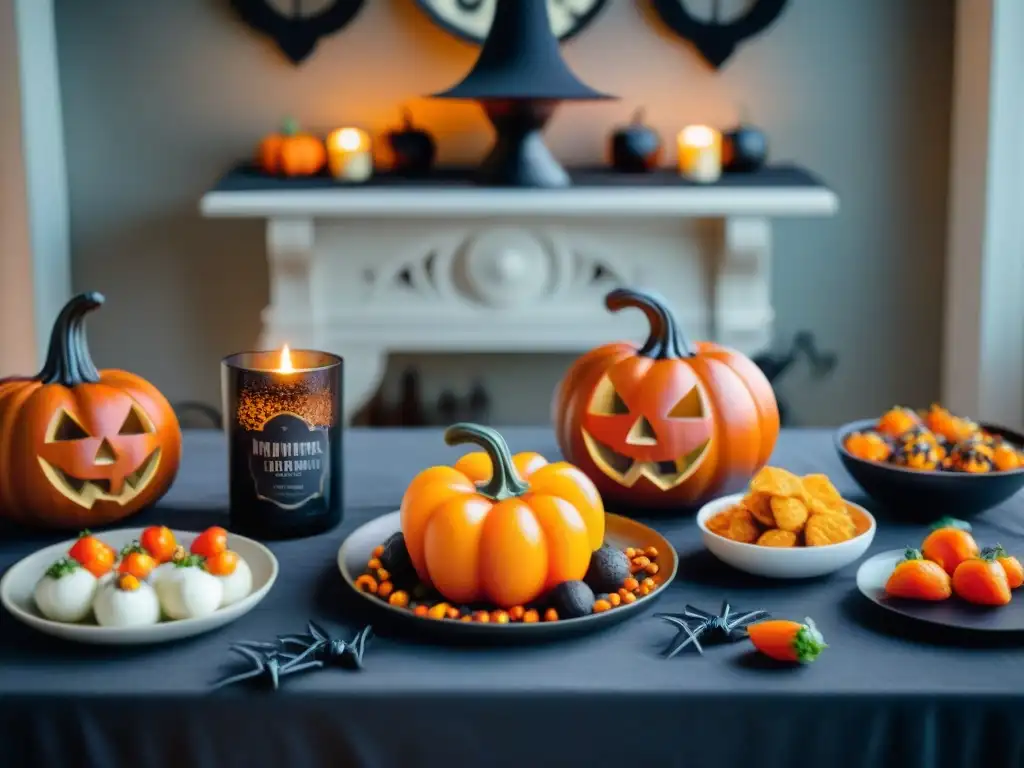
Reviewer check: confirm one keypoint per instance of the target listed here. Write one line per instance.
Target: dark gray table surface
(887, 691)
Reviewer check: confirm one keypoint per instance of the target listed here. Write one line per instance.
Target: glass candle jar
(283, 418)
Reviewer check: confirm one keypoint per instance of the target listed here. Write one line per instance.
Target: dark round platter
(954, 612)
(619, 532)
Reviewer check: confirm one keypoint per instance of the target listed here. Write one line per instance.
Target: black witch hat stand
(519, 80)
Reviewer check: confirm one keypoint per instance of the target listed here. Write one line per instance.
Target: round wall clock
(471, 19)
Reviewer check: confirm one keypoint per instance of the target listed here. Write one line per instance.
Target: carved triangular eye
(606, 401)
(135, 424)
(68, 429)
(691, 406)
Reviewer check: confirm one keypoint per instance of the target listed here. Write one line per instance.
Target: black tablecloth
(886, 692)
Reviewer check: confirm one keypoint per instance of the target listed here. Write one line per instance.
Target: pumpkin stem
(505, 481)
(290, 126)
(638, 116)
(407, 122)
(68, 361)
(665, 341)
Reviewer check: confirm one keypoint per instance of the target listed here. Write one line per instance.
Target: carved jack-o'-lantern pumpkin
(668, 424)
(81, 447)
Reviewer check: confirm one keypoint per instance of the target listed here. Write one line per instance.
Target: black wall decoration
(471, 20)
(298, 31)
(714, 39)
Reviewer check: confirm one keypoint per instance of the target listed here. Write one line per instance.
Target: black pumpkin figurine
(744, 149)
(636, 148)
(412, 148)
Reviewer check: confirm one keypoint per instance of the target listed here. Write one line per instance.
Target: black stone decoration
(314, 649)
(460, 18)
(296, 34)
(519, 79)
(695, 625)
(716, 40)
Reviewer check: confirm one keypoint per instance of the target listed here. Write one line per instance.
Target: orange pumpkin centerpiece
(668, 424)
(81, 447)
(500, 529)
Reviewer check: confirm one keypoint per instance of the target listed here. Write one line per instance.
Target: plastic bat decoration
(717, 40)
(297, 33)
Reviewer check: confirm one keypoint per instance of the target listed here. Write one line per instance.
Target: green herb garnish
(191, 561)
(133, 549)
(62, 568)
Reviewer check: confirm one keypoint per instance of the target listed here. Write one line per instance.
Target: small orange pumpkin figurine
(915, 578)
(949, 544)
(982, 580)
(1012, 566)
(667, 424)
(291, 152)
(499, 529)
(81, 447)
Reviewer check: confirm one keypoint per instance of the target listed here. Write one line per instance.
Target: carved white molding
(983, 349)
(577, 202)
(366, 275)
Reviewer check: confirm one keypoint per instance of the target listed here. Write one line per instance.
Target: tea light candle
(700, 153)
(349, 154)
(283, 418)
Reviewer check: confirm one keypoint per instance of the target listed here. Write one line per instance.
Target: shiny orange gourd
(500, 529)
(291, 152)
(80, 448)
(667, 424)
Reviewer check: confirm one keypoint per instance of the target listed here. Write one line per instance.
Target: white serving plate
(780, 562)
(18, 584)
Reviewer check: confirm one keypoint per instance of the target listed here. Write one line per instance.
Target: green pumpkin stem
(994, 553)
(68, 361)
(951, 522)
(505, 482)
(665, 341)
(290, 126)
(911, 553)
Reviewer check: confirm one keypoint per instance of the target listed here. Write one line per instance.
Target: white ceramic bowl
(782, 562)
(18, 584)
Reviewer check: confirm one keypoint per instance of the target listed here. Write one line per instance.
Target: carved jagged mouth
(627, 470)
(88, 492)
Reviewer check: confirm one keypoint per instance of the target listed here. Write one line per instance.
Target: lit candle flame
(349, 139)
(698, 136)
(286, 361)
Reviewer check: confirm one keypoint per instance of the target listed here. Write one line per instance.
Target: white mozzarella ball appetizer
(126, 601)
(167, 568)
(66, 591)
(189, 592)
(233, 573)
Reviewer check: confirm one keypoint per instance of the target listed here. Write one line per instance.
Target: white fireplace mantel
(368, 271)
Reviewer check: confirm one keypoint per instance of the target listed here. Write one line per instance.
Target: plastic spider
(320, 647)
(265, 663)
(694, 624)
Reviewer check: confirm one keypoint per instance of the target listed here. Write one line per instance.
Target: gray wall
(161, 96)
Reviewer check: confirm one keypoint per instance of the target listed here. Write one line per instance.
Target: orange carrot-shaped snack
(1014, 570)
(784, 640)
(949, 544)
(915, 578)
(982, 581)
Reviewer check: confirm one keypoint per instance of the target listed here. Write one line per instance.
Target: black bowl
(921, 496)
